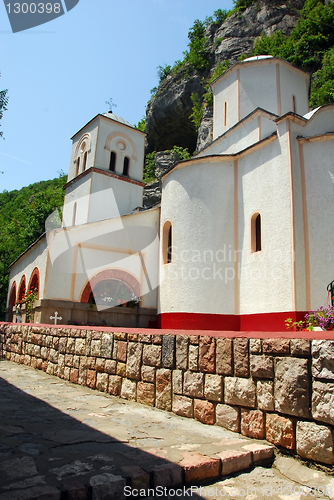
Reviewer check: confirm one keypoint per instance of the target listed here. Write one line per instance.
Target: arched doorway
(22, 289)
(111, 288)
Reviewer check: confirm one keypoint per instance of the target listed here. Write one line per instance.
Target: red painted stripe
(267, 322)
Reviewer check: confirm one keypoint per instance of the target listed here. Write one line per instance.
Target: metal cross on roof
(111, 104)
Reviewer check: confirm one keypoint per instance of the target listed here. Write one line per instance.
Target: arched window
(256, 243)
(12, 297)
(22, 289)
(167, 243)
(77, 171)
(112, 293)
(112, 163)
(85, 161)
(225, 113)
(34, 281)
(126, 165)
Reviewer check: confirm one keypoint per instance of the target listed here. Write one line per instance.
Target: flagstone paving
(64, 441)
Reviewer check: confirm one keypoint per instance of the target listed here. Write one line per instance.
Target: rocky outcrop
(167, 121)
(164, 160)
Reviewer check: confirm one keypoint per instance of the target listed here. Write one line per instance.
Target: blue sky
(60, 74)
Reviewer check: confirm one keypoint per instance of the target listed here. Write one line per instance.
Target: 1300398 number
(33, 8)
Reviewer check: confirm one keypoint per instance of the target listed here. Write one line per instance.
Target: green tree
(322, 88)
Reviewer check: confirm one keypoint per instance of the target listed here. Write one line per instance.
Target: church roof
(117, 118)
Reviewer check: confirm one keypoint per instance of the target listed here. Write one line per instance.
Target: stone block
(181, 352)
(224, 360)
(265, 395)
(115, 385)
(252, 423)
(106, 345)
(235, 461)
(164, 389)
(300, 347)
(110, 366)
(133, 337)
(134, 360)
(207, 354)
(152, 355)
(146, 339)
(95, 349)
(261, 366)
(193, 384)
(183, 406)
(260, 452)
(193, 357)
(323, 359)
(99, 364)
(91, 379)
(129, 389)
(121, 351)
(292, 386)
(107, 486)
(168, 351)
(75, 491)
(136, 477)
(114, 350)
(102, 381)
(204, 411)
(80, 347)
(194, 339)
(146, 393)
(315, 442)
(198, 467)
(239, 391)
(255, 346)
(228, 417)
(74, 375)
(91, 362)
(156, 339)
(148, 373)
(280, 431)
(120, 336)
(276, 346)
(62, 344)
(177, 378)
(213, 387)
(241, 357)
(70, 348)
(76, 361)
(121, 369)
(167, 475)
(323, 401)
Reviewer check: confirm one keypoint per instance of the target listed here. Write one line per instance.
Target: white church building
(243, 236)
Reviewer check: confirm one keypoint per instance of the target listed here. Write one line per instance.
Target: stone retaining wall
(281, 390)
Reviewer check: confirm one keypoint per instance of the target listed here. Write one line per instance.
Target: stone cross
(56, 317)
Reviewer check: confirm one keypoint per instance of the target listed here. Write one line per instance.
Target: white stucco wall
(263, 187)
(293, 82)
(92, 130)
(77, 193)
(319, 176)
(130, 244)
(35, 257)
(224, 90)
(198, 201)
(258, 87)
(125, 141)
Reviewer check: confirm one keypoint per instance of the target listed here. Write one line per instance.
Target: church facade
(242, 237)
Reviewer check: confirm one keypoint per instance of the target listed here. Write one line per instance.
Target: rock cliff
(167, 120)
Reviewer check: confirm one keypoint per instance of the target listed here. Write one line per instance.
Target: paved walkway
(60, 441)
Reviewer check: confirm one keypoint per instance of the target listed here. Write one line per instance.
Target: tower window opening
(167, 242)
(126, 165)
(85, 161)
(256, 243)
(112, 162)
(77, 171)
(225, 113)
(294, 104)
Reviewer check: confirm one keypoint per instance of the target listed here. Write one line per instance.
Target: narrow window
(225, 114)
(294, 104)
(74, 216)
(256, 245)
(78, 166)
(167, 242)
(85, 161)
(126, 166)
(112, 163)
